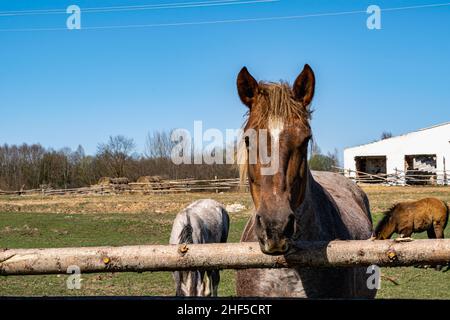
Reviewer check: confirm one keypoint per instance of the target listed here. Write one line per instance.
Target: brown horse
(406, 218)
(294, 203)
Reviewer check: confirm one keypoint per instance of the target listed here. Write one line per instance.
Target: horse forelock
(275, 108)
(276, 101)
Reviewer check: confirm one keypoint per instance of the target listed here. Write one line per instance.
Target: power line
(188, 5)
(276, 18)
(177, 24)
(134, 7)
(197, 4)
(424, 6)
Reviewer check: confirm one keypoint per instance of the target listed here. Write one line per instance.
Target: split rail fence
(399, 177)
(234, 184)
(388, 253)
(164, 186)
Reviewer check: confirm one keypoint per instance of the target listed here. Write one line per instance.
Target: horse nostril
(276, 248)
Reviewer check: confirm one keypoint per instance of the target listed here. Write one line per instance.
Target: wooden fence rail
(222, 256)
(222, 185)
(165, 186)
(398, 178)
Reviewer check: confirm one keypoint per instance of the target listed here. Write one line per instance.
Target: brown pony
(294, 203)
(406, 218)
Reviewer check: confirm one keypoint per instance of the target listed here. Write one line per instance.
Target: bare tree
(115, 154)
(158, 145)
(30, 166)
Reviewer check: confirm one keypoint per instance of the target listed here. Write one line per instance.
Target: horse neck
(318, 217)
(308, 181)
(309, 186)
(387, 229)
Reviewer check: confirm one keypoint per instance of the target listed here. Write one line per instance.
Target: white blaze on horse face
(275, 126)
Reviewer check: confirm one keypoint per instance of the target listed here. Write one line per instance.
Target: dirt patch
(380, 197)
(168, 203)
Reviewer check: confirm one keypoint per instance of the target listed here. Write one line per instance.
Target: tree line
(33, 166)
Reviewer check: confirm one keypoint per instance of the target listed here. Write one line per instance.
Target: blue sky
(64, 88)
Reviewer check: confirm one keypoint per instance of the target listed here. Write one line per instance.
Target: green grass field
(128, 220)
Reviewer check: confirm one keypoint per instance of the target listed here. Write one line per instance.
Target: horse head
(282, 112)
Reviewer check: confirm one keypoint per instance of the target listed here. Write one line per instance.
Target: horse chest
(298, 283)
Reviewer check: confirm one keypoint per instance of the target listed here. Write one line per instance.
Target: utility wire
(276, 18)
(197, 4)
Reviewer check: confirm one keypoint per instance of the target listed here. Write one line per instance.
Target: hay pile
(149, 179)
(120, 180)
(105, 181)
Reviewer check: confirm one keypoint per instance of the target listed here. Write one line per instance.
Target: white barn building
(419, 155)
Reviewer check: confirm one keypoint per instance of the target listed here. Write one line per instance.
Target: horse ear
(304, 86)
(247, 87)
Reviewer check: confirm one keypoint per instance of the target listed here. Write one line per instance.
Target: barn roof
(402, 135)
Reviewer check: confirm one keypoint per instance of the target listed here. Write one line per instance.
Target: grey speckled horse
(294, 203)
(203, 221)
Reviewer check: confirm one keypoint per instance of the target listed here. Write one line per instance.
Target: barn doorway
(421, 169)
(371, 169)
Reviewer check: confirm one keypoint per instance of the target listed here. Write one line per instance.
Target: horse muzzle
(275, 234)
(275, 248)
